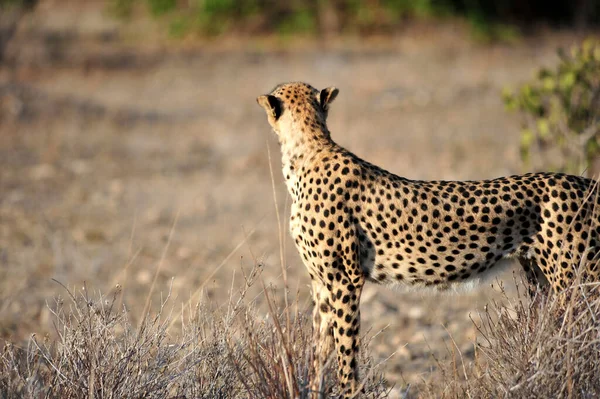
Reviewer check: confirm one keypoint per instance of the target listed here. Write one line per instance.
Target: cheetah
(352, 221)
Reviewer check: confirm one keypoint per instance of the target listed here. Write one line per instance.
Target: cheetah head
(291, 104)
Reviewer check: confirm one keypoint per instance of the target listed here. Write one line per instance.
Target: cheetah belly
(387, 269)
(416, 260)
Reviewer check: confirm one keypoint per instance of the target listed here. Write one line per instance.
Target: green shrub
(561, 113)
(121, 8)
(12, 3)
(301, 21)
(489, 20)
(214, 17)
(159, 7)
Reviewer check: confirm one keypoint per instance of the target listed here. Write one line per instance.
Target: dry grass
(540, 348)
(548, 347)
(221, 351)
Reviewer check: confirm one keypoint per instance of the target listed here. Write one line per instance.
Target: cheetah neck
(300, 147)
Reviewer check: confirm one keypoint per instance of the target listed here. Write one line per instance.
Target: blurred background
(132, 150)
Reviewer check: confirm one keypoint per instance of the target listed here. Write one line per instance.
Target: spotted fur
(353, 221)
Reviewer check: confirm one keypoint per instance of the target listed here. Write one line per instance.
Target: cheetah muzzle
(353, 221)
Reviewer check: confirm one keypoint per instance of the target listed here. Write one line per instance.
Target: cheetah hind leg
(537, 283)
(323, 338)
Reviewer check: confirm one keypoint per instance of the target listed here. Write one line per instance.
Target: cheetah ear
(327, 96)
(271, 104)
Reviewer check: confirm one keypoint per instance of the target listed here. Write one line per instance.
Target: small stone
(42, 171)
(183, 253)
(143, 277)
(95, 235)
(416, 312)
(116, 187)
(79, 167)
(403, 353)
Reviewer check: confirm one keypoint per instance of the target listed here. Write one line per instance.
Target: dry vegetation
(221, 351)
(547, 347)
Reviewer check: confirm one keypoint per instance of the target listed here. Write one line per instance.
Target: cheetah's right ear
(271, 104)
(327, 96)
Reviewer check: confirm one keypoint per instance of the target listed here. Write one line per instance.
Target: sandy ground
(118, 157)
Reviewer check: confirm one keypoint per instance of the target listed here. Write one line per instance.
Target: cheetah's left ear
(327, 96)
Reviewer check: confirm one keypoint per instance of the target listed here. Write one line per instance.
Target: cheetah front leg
(337, 286)
(323, 336)
(345, 300)
(536, 280)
